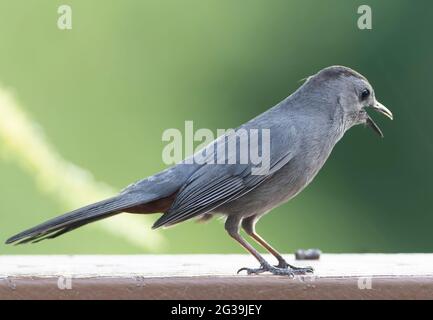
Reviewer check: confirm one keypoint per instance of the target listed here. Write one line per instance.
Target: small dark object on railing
(309, 254)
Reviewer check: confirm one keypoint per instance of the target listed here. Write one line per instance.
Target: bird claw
(280, 271)
(251, 270)
(302, 270)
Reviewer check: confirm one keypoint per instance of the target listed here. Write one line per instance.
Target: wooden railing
(337, 276)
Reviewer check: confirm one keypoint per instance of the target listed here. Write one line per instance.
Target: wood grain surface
(337, 276)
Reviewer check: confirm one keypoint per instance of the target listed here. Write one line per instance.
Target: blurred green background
(104, 92)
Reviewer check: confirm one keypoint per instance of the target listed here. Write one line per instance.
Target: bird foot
(288, 270)
(285, 265)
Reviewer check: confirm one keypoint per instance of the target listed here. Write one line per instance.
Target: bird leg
(232, 228)
(248, 224)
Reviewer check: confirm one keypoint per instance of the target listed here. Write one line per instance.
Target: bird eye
(365, 94)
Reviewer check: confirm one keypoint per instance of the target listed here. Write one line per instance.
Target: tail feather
(74, 219)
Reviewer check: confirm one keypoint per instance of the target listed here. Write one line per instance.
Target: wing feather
(215, 184)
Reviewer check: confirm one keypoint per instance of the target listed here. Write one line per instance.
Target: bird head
(352, 93)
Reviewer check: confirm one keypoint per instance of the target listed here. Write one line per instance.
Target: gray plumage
(304, 128)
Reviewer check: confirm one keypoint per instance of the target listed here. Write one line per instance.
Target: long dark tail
(74, 219)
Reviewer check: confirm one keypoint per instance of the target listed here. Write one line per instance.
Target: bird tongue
(381, 109)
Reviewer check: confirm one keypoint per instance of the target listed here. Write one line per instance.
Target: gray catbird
(303, 128)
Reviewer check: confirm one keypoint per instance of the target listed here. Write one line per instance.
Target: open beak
(383, 110)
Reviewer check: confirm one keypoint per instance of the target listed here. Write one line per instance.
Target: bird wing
(215, 184)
